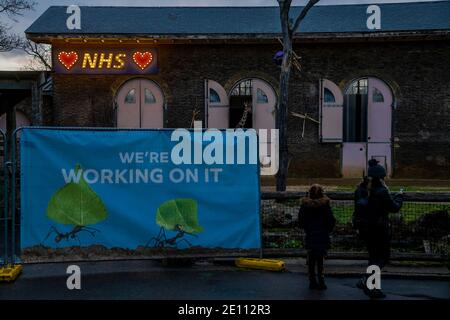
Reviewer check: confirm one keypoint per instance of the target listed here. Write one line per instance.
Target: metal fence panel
(420, 227)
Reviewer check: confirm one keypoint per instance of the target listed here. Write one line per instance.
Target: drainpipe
(206, 103)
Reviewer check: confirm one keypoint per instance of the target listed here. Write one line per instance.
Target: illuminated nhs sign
(105, 60)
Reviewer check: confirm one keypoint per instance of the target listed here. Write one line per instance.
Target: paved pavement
(151, 280)
(396, 269)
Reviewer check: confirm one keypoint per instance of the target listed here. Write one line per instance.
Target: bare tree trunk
(288, 31)
(283, 99)
(282, 118)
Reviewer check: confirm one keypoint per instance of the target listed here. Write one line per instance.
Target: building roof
(17, 80)
(22, 80)
(195, 22)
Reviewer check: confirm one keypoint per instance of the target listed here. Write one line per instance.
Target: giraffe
(195, 113)
(247, 110)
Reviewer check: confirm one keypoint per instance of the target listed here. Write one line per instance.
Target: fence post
(13, 164)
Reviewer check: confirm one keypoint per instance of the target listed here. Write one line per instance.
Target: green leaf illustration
(76, 204)
(179, 212)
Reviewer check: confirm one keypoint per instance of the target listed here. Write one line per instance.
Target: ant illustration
(71, 234)
(162, 241)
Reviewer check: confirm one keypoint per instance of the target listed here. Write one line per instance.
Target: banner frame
(13, 163)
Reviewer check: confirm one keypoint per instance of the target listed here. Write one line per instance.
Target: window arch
(130, 98)
(328, 96)
(242, 88)
(216, 94)
(261, 96)
(213, 96)
(358, 86)
(377, 96)
(149, 96)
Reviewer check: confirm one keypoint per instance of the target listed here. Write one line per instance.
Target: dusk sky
(15, 60)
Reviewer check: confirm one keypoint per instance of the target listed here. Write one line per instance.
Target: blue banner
(128, 189)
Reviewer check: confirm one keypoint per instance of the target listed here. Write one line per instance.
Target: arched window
(261, 97)
(149, 96)
(328, 96)
(377, 96)
(213, 96)
(244, 88)
(131, 96)
(358, 87)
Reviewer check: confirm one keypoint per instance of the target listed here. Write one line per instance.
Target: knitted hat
(375, 170)
(373, 162)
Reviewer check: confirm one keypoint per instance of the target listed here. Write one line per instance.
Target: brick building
(374, 80)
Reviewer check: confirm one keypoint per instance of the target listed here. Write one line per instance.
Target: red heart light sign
(107, 60)
(68, 59)
(142, 59)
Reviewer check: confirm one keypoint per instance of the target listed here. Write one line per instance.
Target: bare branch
(15, 7)
(12, 8)
(40, 54)
(303, 14)
(7, 41)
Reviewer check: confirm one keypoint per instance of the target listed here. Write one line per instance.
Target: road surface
(152, 280)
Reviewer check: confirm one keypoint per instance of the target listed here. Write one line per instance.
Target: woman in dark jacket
(317, 219)
(378, 236)
(379, 203)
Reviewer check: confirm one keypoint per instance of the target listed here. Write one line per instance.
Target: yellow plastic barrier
(264, 264)
(10, 273)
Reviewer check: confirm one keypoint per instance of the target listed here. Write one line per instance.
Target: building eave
(238, 38)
